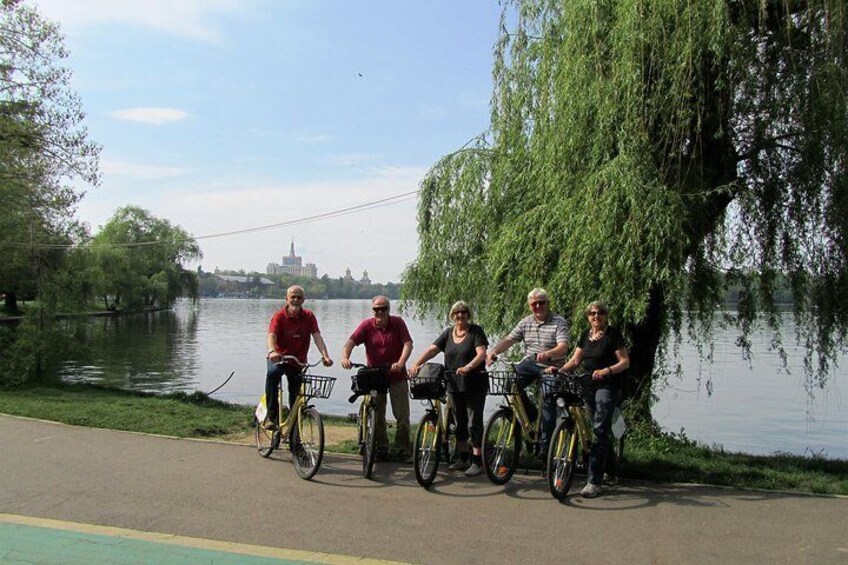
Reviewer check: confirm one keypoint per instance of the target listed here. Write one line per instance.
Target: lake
(755, 409)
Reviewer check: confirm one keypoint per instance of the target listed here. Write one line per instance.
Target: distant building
(365, 279)
(293, 265)
(348, 276)
(244, 280)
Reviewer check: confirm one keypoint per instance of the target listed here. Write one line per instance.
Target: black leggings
(469, 406)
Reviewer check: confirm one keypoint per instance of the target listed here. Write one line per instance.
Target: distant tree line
(325, 287)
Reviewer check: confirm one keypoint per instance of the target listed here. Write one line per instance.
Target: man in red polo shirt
(288, 334)
(387, 344)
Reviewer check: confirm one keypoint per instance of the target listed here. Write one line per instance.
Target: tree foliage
(139, 261)
(638, 150)
(43, 146)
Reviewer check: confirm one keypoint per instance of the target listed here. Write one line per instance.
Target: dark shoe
(381, 454)
(401, 456)
(270, 424)
(610, 479)
(459, 465)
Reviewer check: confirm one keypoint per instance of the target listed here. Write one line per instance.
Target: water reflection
(757, 409)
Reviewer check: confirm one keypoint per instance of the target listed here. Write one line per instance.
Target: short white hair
(538, 293)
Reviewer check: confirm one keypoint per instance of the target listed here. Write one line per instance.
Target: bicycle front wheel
(266, 440)
(369, 438)
(501, 446)
(563, 455)
(449, 439)
(426, 450)
(307, 443)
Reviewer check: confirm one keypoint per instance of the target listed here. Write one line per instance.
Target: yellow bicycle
(573, 436)
(368, 382)
(436, 435)
(510, 426)
(302, 427)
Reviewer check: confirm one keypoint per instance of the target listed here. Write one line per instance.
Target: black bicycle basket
(368, 379)
(425, 387)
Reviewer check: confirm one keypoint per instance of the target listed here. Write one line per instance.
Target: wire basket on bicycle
(568, 387)
(501, 382)
(318, 386)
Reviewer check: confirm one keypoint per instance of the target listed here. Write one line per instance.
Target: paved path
(158, 494)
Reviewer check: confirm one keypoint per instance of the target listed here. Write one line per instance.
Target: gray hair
(538, 293)
(460, 305)
(381, 297)
(597, 305)
(295, 287)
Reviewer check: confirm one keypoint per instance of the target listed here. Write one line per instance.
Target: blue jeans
(530, 371)
(272, 382)
(601, 404)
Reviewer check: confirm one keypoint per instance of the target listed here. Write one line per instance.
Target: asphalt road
(228, 493)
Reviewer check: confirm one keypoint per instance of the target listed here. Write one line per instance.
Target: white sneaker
(473, 470)
(591, 491)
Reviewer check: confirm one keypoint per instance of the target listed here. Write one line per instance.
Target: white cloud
(192, 19)
(153, 116)
(139, 171)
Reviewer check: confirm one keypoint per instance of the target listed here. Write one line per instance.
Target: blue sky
(222, 115)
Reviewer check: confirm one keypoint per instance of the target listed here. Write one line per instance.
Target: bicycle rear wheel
(563, 455)
(307, 443)
(425, 458)
(501, 446)
(266, 440)
(369, 438)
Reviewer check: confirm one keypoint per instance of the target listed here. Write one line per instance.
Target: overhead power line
(391, 200)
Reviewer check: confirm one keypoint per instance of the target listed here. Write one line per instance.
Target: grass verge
(650, 456)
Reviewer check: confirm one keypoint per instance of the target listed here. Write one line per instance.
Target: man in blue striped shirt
(545, 338)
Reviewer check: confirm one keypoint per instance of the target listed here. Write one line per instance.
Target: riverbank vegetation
(261, 285)
(649, 455)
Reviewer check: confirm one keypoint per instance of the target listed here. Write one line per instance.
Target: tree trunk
(646, 338)
(11, 304)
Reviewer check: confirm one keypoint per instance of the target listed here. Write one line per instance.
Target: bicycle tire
(369, 451)
(266, 440)
(563, 455)
(425, 457)
(449, 440)
(501, 446)
(307, 443)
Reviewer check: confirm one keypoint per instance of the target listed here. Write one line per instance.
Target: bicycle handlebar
(292, 360)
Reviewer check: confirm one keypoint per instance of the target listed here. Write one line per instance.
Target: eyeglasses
(595, 314)
(460, 312)
(380, 308)
(538, 303)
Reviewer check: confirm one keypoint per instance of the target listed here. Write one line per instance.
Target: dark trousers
(601, 404)
(530, 372)
(468, 406)
(272, 382)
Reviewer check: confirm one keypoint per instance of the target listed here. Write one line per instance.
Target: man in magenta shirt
(288, 334)
(387, 344)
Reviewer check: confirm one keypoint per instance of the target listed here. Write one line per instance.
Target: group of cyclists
(600, 351)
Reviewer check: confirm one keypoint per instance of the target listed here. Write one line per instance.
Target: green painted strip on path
(26, 540)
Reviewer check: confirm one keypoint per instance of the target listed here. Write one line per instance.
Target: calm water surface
(755, 409)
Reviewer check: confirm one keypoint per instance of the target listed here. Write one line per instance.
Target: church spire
(291, 254)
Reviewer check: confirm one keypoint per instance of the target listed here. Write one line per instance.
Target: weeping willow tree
(650, 154)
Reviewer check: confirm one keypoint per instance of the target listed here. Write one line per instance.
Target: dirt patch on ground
(333, 435)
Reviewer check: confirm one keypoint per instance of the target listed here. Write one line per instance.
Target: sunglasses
(538, 303)
(460, 312)
(380, 308)
(296, 297)
(595, 314)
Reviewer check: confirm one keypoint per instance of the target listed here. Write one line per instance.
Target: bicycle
(573, 436)
(436, 435)
(510, 425)
(368, 382)
(302, 427)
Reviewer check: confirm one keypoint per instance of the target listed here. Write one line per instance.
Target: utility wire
(391, 200)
